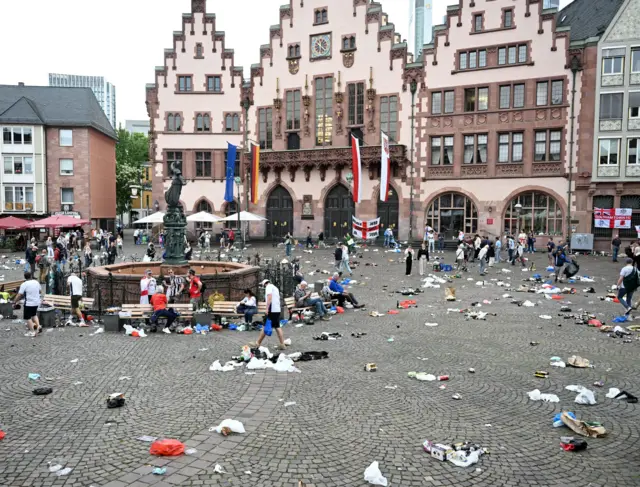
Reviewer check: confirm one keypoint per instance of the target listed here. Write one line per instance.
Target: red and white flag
(385, 167)
(356, 164)
(365, 229)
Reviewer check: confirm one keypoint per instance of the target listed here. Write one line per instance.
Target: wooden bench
(144, 311)
(10, 286)
(64, 302)
(290, 304)
(228, 308)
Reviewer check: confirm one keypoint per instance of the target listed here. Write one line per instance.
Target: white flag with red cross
(366, 229)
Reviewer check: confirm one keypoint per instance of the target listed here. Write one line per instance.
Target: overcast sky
(124, 39)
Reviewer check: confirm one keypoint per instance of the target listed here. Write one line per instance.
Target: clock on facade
(320, 46)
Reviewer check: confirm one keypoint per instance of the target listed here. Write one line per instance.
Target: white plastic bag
(586, 396)
(234, 425)
(216, 367)
(613, 392)
(373, 475)
(536, 395)
(425, 377)
(285, 364)
(461, 459)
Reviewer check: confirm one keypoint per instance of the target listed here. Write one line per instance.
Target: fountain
(117, 284)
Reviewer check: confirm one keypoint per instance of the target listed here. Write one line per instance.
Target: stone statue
(175, 222)
(172, 196)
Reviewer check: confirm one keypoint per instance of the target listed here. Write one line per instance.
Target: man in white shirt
(627, 284)
(431, 238)
(272, 298)
(136, 232)
(74, 283)
(30, 291)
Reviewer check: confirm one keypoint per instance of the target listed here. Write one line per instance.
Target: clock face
(320, 46)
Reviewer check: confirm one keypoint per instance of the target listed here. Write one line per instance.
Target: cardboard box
(441, 452)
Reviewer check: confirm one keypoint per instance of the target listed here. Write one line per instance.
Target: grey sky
(124, 39)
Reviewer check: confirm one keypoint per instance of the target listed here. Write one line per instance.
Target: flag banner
(385, 167)
(366, 230)
(612, 217)
(255, 167)
(230, 173)
(356, 164)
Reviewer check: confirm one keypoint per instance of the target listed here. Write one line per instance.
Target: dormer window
(348, 43)
(198, 50)
(321, 16)
(293, 51)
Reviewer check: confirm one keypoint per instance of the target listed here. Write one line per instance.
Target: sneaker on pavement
(326, 318)
(83, 325)
(167, 331)
(30, 334)
(282, 347)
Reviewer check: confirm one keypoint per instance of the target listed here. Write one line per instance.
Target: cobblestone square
(343, 418)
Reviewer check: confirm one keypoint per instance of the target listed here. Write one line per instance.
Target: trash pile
(460, 454)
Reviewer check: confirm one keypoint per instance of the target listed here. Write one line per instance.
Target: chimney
(198, 6)
(21, 83)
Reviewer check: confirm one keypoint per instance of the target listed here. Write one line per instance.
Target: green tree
(132, 152)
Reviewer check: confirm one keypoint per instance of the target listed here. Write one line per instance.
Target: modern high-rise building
(105, 92)
(420, 25)
(551, 4)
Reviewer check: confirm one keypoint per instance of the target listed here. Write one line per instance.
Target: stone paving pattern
(344, 418)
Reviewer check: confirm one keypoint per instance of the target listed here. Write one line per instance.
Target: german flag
(255, 167)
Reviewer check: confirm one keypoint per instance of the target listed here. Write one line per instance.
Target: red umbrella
(13, 223)
(58, 221)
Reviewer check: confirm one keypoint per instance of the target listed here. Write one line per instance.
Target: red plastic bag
(188, 331)
(407, 303)
(339, 310)
(135, 333)
(596, 323)
(557, 297)
(394, 312)
(1, 435)
(216, 327)
(167, 448)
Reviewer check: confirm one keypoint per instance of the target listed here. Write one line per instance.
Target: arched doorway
(388, 212)
(450, 212)
(338, 208)
(203, 205)
(279, 213)
(540, 214)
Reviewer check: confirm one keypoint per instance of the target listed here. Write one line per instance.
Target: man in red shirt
(231, 237)
(195, 288)
(160, 310)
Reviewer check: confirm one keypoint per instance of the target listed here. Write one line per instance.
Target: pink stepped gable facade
(492, 118)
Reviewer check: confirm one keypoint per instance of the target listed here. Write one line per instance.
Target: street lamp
(413, 88)
(518, 211)
(349, 178)
(238, 181)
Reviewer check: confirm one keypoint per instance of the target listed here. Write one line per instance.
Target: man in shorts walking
(74, 283)
(272, 297)
(30, 291)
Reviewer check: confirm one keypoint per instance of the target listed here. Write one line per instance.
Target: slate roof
(57, 106)
(588, 18)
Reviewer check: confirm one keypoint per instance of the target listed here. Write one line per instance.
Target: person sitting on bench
(341, 295)
(248, 306)
(303, 298)
(160, 310)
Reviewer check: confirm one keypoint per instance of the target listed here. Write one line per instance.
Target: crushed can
(371, 368)
(443, 377)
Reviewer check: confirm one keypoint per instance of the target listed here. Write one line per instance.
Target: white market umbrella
(203, 217)
(156, 217)
(245, 216)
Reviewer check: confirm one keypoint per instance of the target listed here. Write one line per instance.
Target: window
(635, 60)
(611, 106)
(542, 93)
(293, 110)
(507, 20)
(613, 65)
(18, 165)
(356, 104)
(66, 138)
(324, 109)
(449, 100)
(502, 55)
(214, 84)
(475, 149)
(203, 164)
(348, 42)
(518, 96)
(557, 92)
(294, 50)
(66, 167)
(608, 152)
(198, 50)
(442, 151)
(66, 196)
(470, 97)
(321, 16)
(505, 96)
(203, 122)
(539, 213)
(548, 145)
(513, 54)
(477, 23)
(232, 122)
(436, 103)
(389, 116)
(634, 104)
(514, 140)
(17, 135)
(293, 141)
(18, 198)
(184, 83)
(632, 152)
(173, 156)
(473, 59)
(236, 165)
(522, 53)
(265, 130)
(174, 122)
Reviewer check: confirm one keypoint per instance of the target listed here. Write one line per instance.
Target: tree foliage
(132, 152)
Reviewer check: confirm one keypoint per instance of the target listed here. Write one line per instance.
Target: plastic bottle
(443, 377)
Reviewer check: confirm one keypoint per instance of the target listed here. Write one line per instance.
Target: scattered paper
(74, 361)
(290, 403)
(218, 469)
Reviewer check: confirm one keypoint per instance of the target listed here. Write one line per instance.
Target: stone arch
(205, 200)
(338, 210)
(264, 196)
(465, 216)
(538, 189)
(279, 210)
